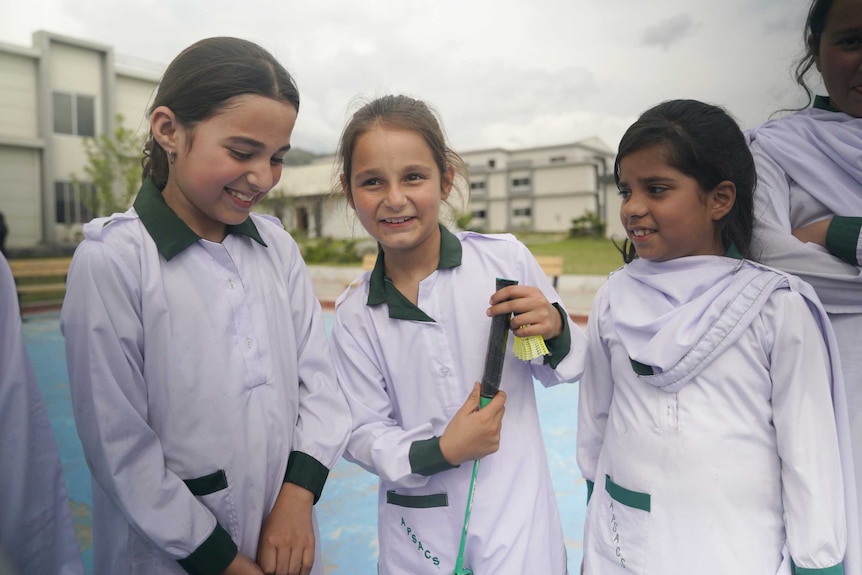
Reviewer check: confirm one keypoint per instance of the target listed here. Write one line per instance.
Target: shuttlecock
(530, 347)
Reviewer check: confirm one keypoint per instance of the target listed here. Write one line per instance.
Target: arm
(287, 542)
(837, 282)
(806, 436)
(536, 304)
(102, 326)
(379, 443)
(595, 395)
(36, 529)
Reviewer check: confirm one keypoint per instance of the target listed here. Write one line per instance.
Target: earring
(172, 157)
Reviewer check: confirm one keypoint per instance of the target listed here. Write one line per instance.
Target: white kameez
(405, 379)
(36, 532)
(726, 458)
(207, 369)
(809, 167)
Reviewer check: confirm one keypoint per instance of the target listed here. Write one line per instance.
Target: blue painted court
(347, 510)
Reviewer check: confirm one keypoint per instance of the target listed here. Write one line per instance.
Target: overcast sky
(501, 73)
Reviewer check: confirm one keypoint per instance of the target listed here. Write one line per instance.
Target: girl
(198, 361)
(410, 338)
(705, 424)
(809, 197)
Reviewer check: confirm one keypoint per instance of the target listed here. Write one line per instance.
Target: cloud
(669, 31)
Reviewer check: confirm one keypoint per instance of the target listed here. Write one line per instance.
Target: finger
(496, 404)
(294, 562)
(472, 402)
(266, 558)
(307, 560)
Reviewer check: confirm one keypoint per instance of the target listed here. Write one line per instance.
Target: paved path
(576, 291)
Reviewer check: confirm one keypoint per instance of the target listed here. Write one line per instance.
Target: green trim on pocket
(627, 497)
(417, 501)
(207, 484)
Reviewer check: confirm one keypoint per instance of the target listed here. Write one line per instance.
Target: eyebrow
(253, 143)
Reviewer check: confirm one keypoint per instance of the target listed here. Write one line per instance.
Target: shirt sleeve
(595, 394)
(566, 360)
(378, 443)
(838, 283)
(806, 436)
(101, 323)
(36, 532)
(843, 239)
(324, 422)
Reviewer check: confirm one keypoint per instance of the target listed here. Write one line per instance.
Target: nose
(632, 207)
(395, 197)
(264, 174)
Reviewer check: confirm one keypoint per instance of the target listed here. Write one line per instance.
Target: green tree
(114, 169)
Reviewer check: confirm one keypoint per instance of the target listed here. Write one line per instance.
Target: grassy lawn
(584, 256)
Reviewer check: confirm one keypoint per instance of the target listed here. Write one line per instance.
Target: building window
(525, 212)
(518, 182)
(557, 159)
(477, 185)
(73, 202)
(479, 214)
(74, 114)
(492, 163)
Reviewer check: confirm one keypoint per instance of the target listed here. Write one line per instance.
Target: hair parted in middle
(401, 112)
(705, 143)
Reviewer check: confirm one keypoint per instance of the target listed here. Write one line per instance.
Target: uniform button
(445, 371)
(231, 284)
(248, 342)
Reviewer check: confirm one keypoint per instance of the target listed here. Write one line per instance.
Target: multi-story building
(62, 90)
(52, 96)
(539, 189)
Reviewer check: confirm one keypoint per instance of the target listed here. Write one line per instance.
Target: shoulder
(502, 243)
(116, 227)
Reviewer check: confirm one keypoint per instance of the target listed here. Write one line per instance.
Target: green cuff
(842, 238)
(426, 457)
(306, 471)
(213, 556)
(559, 346)
(834, 570)
(590, 486)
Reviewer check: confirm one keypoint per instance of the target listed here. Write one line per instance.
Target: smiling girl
(201, 381)
(705, 425)
(409, 341)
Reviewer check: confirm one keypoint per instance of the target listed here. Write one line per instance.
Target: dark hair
(811, 36)
(401, 112)
(201, 81)
(705, 143)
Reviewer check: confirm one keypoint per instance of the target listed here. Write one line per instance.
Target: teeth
(242, 196)
(395, 220)
(640, 232)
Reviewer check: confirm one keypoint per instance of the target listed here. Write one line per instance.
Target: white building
(52, 95)
(529, 190)
(61, 90)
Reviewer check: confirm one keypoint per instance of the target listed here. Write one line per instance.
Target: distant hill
(300, 157)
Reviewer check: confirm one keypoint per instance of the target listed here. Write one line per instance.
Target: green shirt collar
(381, 290)
(733, 252)
(171, 234)
(823, 103)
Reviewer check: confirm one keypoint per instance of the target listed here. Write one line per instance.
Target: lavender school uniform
(201, 380)
(809, 167)
(706, 426)
(36, 533)
(406, 370)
